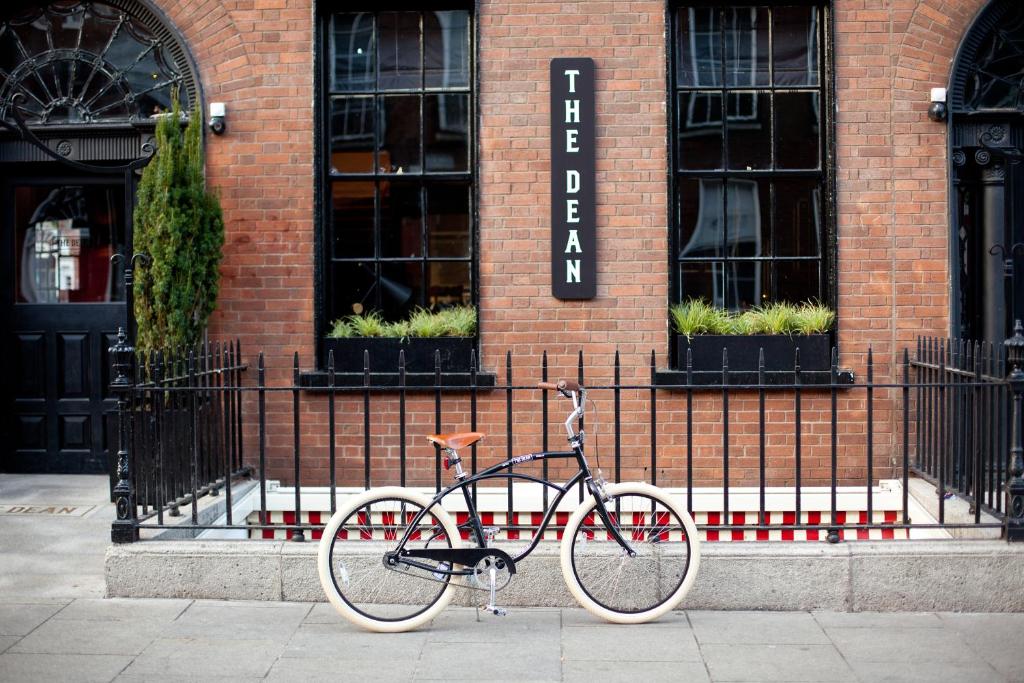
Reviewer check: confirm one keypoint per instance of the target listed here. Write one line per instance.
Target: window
(397, 120)
(89, 62)
(750, 132)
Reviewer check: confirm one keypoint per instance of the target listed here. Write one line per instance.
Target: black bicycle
(390, 558)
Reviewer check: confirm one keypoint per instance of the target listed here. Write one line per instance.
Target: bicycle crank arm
(464, 556)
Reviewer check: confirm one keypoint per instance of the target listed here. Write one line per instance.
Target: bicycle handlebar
(561, 385)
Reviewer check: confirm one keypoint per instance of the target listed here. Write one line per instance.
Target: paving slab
(53, 555)
(878, 619)
(345, 641)
(903, 645)
(7, 641)
(393, 667)
(619, 642)
(54, 585)
(61, 667)
(121, 609)
(21, 619)
(757, 627)
(581, 617)
(926, 672)
(207, 658)
(766, 662)
(998, 639)
(459, 625)
(455, 661)
(590, 670)
(224, 619)
(90, 637)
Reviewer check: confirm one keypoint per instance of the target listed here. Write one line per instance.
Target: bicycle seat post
(452, 459)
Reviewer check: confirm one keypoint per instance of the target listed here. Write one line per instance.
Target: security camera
(937, 109)
(217, 122)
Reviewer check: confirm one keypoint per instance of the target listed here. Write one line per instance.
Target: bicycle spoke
(372, 588)
(621, 583)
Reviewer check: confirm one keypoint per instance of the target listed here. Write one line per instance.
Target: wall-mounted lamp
(937, 109)
(217, 123)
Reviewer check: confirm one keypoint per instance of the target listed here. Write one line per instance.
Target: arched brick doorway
(86, 79)
(986, 101)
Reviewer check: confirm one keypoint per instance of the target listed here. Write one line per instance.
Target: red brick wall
(256, 55)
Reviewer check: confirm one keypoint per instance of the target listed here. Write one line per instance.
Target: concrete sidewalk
(54, 534)
(156, 640)
(55, 626)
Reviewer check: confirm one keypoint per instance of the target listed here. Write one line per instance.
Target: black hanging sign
(573, 198)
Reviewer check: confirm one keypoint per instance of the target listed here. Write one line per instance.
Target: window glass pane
(448, 220)
(399, 51)
(746, 284)
(746, 46)
(797, 281)
(352, 134)
(446, 128)
(701, 224)
(797, 217)
(446, 49)
(399, 150)
(701, 281)
(352, 51)
(747, 207)
(63, 239)
(449, 283)
(700, 130)
(352, 218)
(401, 288)
(750, 139)
(698, 47)
(401, 225)
(795, 45)
(797, 129)
(354, 290)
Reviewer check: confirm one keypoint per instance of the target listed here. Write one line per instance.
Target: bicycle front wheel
(353, 573)
(605, 579)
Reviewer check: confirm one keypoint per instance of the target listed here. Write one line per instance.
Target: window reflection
(64, 238)
(400, 113)
(748, 163)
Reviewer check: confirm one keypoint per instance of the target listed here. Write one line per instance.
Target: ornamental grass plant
(696, 317)
(457, 321)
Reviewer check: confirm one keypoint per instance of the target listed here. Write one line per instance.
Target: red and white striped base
(527, 523)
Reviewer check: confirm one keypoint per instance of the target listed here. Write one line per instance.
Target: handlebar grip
(562, 385)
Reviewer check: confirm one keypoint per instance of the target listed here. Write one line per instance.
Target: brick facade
(891, 176)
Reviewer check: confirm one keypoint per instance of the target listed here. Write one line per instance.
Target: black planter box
(779, 352)
(419, 354)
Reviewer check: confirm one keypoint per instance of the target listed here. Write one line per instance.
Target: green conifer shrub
(180, 225)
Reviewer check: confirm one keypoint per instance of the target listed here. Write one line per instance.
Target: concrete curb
(967, 576)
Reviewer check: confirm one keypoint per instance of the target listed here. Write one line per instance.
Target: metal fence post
(1015, 482)
(125, 528)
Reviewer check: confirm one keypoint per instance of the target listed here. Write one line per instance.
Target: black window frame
(323, 204)
(828, 272)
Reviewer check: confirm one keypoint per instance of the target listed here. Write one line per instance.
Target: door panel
(64, 301)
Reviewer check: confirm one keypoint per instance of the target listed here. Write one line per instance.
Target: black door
(988, 182)
(62, 303)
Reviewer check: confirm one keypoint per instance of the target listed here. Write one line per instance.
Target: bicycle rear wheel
(605, 579)
(351, 560)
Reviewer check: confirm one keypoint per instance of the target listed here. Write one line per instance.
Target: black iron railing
(961, 431)
(941, 416)
(186, 427)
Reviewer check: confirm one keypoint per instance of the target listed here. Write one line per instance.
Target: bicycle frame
(498, 472)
